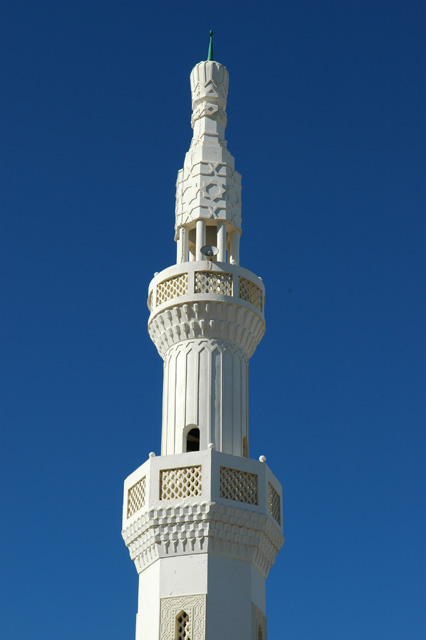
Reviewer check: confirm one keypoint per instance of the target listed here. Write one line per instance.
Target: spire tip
(210, 53)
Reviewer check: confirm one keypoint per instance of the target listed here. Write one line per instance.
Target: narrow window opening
(193, 440)
(259, 633)
(182, 626)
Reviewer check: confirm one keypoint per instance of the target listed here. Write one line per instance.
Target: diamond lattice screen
(238, 485)
(136, 497)
(251, 293)
(182, 626)
(172, 288)
(211, 282)
(274, 505)
(184, 482)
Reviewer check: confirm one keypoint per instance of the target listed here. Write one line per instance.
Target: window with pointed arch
(182, 626)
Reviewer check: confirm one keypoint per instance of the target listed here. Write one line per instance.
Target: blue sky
(326, 122)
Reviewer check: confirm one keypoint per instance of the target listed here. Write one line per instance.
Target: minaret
(203, 522)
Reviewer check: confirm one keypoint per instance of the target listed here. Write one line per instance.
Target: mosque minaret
(203, 522)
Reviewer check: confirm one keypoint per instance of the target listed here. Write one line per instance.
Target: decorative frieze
(199, 528)
(209, 190)
(213, 320)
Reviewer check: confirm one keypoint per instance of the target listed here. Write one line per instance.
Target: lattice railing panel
(274, 503)
(136, 497)
(213, 282)
(238, 485)
(172, 288)
(251, 293)
(184, 482)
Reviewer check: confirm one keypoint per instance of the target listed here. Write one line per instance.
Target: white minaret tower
(203, 522)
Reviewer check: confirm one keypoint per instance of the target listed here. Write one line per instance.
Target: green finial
(210, 53)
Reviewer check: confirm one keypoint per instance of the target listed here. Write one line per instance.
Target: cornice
(203, 528)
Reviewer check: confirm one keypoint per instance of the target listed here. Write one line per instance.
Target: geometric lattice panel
(251, 293)
(192, 610)
(213, 282)
(136, 497)
(183, 631)
(238, 485)
(184, 482)
(274, 505)
(172, 288)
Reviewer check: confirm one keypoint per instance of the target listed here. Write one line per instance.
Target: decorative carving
(184, 482)
(182, 626)
(192, 610)
(201, 527)
(210, 190)
(136, 497)
(274, 503)
(251, 293)
(213, 282)
(205, 188)
(172, 288)
(238, 485)
(214, 320)
(209, 81)
(259, 623)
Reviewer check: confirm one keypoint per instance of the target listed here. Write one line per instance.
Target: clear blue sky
(326, 122)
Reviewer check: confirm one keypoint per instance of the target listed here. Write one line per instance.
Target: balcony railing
(205, 282)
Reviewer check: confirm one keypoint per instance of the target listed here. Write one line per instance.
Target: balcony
(202, 281)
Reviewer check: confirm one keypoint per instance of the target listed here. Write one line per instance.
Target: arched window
(182, 626)
(193, 440)
(259, 633)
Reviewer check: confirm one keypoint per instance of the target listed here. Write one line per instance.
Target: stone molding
(203, 527)
(194, 606)
(213, 320)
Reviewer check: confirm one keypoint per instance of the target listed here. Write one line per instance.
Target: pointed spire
(210, 53)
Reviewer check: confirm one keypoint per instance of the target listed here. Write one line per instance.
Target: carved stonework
(213, 320)
(195, 608)
(208, 187)
(199, 528)
(209, 190)
(209, 83)
(259, 624)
